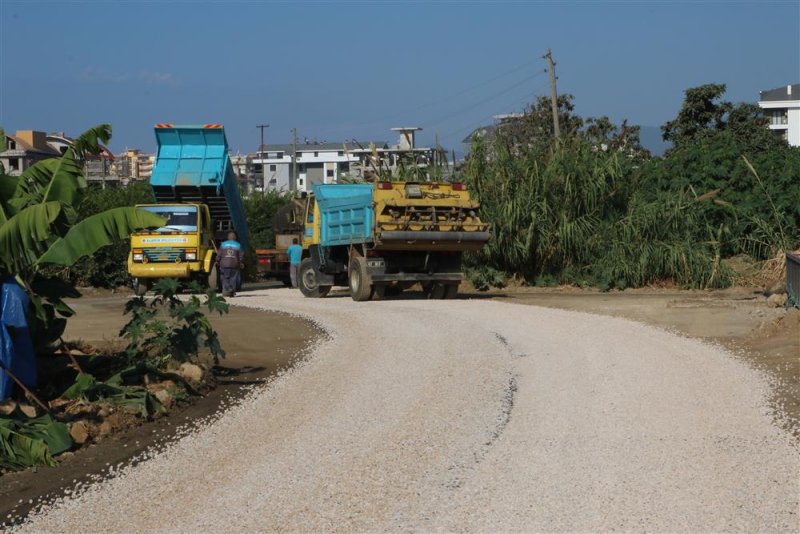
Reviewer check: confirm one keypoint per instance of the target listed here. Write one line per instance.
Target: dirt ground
(257, 345)
(739, 319)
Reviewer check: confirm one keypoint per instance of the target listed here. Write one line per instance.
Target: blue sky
(356, 69)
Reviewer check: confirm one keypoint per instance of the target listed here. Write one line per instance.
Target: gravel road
(469, 415)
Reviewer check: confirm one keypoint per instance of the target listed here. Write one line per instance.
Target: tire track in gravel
(468, 415)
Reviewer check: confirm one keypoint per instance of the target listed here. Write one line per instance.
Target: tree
(703, 115)
(39, 225)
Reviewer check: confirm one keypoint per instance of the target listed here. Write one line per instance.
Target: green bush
(108, 267)
(260, 209)
(165, 329)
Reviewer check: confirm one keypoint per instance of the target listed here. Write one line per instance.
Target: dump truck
(195, 190)
(387, 236)
(288, 225)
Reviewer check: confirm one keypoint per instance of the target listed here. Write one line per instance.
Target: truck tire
(435, 291)
(141, 286)
(307, 281)
(450, 291)
(358, 279)
(378, 291)
(212, 280)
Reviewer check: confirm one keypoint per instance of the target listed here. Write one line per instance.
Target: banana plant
(39, 225)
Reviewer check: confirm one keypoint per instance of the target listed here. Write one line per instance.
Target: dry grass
(768, 274)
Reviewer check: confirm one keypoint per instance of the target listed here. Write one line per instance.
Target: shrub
(166, 329)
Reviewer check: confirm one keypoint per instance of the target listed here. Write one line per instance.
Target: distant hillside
(650, 137)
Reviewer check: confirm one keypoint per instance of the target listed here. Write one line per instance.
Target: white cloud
(147, 77)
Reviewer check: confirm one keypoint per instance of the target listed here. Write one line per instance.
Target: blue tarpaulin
(16, 347)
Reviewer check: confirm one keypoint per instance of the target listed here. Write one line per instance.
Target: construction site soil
(259, 343)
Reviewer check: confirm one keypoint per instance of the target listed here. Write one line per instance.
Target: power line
(476, 123)
(482, 101)
(473, 87)
(449, 98)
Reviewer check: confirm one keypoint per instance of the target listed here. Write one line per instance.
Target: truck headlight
(138, 255)
(191, 255)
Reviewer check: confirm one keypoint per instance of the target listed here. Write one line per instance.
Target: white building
(326, 163)
(317, 163)
(782, 107)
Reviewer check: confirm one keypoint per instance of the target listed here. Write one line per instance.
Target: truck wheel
(450, 291)
(436, 291)
(378, 292)
(358, 279)
(141, 286)
(212, 280)
(307, 281)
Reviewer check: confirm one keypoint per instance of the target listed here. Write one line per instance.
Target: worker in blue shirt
(230, 262)
(295, 252)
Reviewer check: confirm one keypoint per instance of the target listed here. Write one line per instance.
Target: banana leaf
(97, 231)
(8, 184)
(27, 442)
(86, 387)
(58, 179)
(89, 141)
(24, 236)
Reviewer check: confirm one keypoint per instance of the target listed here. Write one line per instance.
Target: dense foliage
(108, 267)
(40, 225)
(594, 209)
(260, 209)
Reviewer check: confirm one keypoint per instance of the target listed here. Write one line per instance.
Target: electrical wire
(438, 120)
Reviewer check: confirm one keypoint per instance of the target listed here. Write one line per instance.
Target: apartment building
(782, 108)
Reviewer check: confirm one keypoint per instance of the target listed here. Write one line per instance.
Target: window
(316, 154)
(279, 155)
(14, 164)
(273, 168)
(179, 218)
(329, 173)
(779, 116)
(340, 153)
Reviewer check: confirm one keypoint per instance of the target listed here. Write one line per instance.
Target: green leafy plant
(119, 389)
(37, 211)
(27, 442)
(165, 328)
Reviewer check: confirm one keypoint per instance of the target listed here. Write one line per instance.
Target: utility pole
(261, 154)
(551, 66)
(293, 179)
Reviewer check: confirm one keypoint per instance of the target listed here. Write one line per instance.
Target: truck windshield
(179, 218)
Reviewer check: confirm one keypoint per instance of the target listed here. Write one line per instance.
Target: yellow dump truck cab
(385, 237)
(182, 248)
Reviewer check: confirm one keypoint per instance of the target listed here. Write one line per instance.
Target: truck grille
(163, 255)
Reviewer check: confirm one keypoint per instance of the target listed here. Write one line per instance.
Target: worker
(230, 262)
(295, 251)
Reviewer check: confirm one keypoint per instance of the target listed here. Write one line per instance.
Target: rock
(104, 412)
(105, 427)
(164, 398)
(114, 420)
(776, 300)
(79, 432)
(778, 288)
(8, 406)
(29, 410)
(191, 372)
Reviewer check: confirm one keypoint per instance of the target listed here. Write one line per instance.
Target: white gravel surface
(469, 415)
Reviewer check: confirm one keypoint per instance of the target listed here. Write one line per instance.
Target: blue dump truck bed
(346, 213)
(192, 165)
